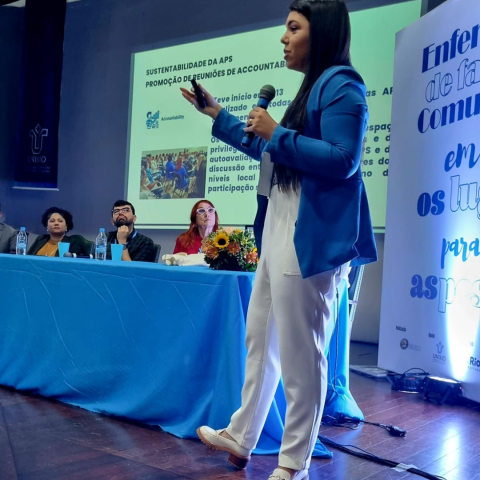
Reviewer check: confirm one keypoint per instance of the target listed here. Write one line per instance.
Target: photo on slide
(173, 173)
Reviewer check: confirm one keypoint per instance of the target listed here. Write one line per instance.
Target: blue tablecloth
(161, 345)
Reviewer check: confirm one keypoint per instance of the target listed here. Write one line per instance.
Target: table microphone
(266, 95)
(76, 255)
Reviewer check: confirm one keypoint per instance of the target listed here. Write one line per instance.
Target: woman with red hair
(203, 221)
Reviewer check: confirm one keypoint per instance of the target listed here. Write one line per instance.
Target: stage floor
(46, 440)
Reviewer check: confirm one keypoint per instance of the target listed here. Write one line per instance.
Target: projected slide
(173, 159)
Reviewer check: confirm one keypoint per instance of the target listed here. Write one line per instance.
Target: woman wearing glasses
(203, 221)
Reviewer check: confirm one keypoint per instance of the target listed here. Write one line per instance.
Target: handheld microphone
(76, 255)
(266, 95)
(202, 103)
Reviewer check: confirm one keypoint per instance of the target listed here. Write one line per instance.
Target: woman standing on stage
(317, 223)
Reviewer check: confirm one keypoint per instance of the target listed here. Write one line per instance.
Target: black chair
(156, 253)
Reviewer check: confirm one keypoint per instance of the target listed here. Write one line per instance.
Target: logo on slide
(37, 139)
(152, 119)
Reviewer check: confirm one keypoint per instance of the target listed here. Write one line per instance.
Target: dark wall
(100, 36)
(429, 5)
(11, 31)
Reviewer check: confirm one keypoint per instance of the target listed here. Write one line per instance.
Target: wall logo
(439, 357)
(152, 120)
(431, 335)
(37, 139)
(400, 329)
(404, 344)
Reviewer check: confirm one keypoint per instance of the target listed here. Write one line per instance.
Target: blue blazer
(333, 225)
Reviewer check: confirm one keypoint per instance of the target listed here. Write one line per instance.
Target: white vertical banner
(431, 282)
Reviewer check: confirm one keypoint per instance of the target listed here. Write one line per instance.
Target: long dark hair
(329, 46)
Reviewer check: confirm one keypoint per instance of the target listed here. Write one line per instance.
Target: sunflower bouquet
(230, 249)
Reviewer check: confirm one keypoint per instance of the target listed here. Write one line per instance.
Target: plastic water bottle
(21, 242)
(101, 245)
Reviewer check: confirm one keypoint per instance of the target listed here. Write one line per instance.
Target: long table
(157, 344)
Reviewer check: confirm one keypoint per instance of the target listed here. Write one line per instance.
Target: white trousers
(286, 332)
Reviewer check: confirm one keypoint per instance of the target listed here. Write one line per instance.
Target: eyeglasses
(116, 211)
(203, 211)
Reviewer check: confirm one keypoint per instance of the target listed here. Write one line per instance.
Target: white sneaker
(281, 474)
(239, 456)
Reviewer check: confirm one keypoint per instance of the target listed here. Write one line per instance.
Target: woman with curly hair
(58, 222)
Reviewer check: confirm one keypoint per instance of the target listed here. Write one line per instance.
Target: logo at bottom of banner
(406, 345)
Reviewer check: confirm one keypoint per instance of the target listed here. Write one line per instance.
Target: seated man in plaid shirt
(136, 247)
